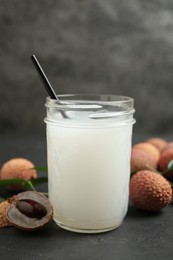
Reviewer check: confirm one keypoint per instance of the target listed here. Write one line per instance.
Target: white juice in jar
(89, 170)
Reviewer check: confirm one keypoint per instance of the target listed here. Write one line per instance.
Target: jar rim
(69, 99)
(87, 109)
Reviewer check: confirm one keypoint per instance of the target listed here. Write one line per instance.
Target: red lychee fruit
(150, 191)
(159, 143)
(18, 168)
(150, 149)
(141, 160)
(165, 158)
(169, 145)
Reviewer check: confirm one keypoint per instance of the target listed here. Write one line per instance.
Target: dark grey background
(86, 46)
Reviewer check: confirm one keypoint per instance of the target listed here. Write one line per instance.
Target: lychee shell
(150, 191)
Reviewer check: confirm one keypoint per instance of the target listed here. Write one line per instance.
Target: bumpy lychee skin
(18, 168)
(141, 160)
(165, 158)
(150, 191)
(150, 149)
(159, 143)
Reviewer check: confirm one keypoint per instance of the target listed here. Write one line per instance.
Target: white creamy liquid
(89, 170)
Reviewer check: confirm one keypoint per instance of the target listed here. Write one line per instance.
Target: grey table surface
(141, 236)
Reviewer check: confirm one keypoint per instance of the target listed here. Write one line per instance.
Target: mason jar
(88, 148)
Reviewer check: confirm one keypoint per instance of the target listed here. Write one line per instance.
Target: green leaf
(1, 199)
(34, 182)
(6, 182)
(41, 168)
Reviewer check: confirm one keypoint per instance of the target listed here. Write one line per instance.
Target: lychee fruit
(169, 145)
(150, 149)
(141, 160)
(18, 168)
(165, 158)
(150, 191)
(159, 143)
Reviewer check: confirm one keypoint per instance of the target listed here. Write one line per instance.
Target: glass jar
(89, 148)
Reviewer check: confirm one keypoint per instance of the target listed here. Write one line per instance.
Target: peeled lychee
(18, 168)
(150, 149)
(141, 160)
(159, 143)
(150, 191)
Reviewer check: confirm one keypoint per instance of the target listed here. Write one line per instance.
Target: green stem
(31, 186)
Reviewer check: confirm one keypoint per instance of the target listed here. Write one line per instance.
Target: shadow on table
(139, 213)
